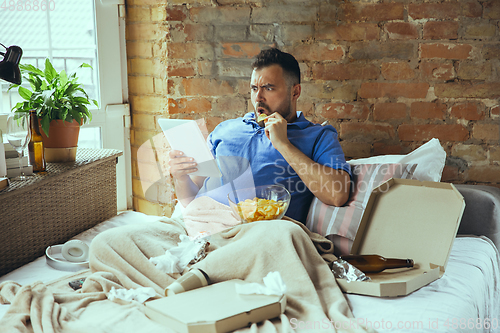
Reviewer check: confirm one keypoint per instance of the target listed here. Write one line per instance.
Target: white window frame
(113, 115)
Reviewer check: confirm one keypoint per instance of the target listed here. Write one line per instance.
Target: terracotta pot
(62, 134)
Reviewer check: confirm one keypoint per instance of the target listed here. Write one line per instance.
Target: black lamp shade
(9, 66)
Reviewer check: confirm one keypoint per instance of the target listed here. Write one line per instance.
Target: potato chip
(261, 117)
(260, 209)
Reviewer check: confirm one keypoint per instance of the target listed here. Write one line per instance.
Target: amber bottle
(35, 145)
(372, 263)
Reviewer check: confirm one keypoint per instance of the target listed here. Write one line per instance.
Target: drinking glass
(18, 136)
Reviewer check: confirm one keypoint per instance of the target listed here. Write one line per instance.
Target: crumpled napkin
(273, 285)
(140, 295)
(176, 259)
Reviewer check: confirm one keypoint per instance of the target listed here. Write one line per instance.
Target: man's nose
(259, 96)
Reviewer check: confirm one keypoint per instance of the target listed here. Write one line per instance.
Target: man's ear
(296, 89)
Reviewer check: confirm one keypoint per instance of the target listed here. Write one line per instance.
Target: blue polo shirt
(247, 158)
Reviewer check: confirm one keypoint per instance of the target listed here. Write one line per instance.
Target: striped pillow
(340, 224)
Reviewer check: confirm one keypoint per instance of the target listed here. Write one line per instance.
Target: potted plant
(61, 105)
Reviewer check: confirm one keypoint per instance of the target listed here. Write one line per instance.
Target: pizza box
(407, 219)
(216, 308)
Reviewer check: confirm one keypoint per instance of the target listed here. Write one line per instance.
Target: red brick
(366, 132)
(441, 30)
(441, 11)
(345, 111)
(395, 71)
(472, 9)
(495, 111)
(378, 89)
(381, 148)
(240, 50)
(206, 87)
(427, 110)
(189, 105)
(445, 51)
(318, 52)
(352, 71)
(467, 111)
(349, 32)
(176, 13)
(376, 51)
(389, 111)
(372, 12)
(466, 90)
(189, 50)
(181, 69)
(486, 132)
(401, 30)
(195, 32)
(450, 173)
(437, 71)
(491, 10)
(226, 14)
(444, 132)
(484, 173)
(212, 122)
(356, 149)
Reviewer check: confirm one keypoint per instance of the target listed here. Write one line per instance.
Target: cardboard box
(216, 308)
(407, 219)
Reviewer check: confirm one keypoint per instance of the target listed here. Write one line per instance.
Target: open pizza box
(216, 308)
(407, 219)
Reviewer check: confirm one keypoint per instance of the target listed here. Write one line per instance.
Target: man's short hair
(287, 62)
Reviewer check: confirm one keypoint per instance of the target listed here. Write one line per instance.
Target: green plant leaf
(50, 72)
(45, 121)
(31, 69)
(64, 77)
(25, 93)
(85, 65)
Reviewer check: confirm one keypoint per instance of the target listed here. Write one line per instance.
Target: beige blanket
(119, 258)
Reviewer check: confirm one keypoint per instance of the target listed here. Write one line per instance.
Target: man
(304, 157)
(288, 150)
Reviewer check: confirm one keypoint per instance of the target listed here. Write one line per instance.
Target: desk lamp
(9, 66)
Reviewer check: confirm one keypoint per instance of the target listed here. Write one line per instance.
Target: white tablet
(185, 135)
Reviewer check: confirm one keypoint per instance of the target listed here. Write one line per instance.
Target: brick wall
(389, 75)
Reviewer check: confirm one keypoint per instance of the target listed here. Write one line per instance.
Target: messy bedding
(465, 299)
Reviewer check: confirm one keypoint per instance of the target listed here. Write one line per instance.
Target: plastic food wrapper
(273, 285)
(186, 252)
(343, 270)
(140, 295)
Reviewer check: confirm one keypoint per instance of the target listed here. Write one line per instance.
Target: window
(70, 33)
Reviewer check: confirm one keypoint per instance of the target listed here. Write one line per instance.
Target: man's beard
(283, 109)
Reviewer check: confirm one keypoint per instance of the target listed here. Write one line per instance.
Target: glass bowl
(267, 202)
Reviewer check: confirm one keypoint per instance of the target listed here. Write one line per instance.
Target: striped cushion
(340, 224)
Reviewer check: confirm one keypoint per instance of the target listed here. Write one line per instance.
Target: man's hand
(329, 185)
(276, 130)
(180, 165)
(186, 186)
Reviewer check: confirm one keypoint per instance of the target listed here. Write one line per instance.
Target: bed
(465, 299)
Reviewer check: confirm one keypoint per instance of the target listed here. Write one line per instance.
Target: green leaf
(45, 121)
(25, 93)
(50, 72)
(64, 77)
(85, 65)
(31, 69)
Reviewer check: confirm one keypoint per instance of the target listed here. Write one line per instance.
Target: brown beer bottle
(35, 145)
(372, 263)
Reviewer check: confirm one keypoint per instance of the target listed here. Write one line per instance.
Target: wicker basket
(51, 208)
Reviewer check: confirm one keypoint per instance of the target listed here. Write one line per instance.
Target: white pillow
(430, 159)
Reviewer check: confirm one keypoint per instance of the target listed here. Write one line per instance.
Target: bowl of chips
(261, 203)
